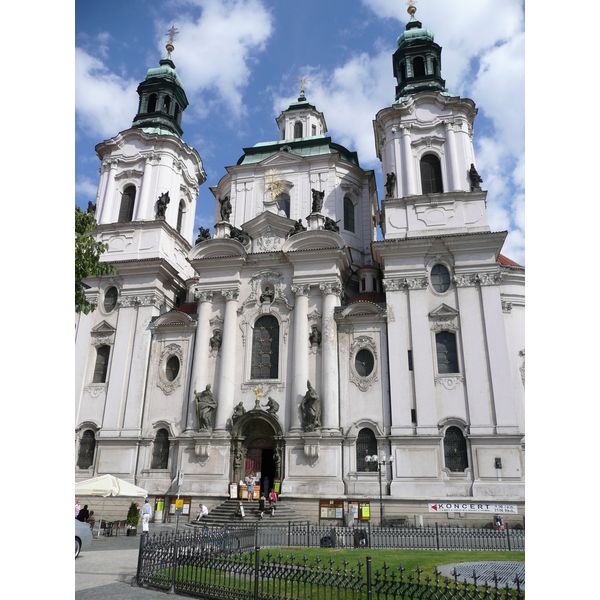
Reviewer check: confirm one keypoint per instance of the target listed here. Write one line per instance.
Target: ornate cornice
(331, 287)
(141, 300)
(203, 295)
(407, 283)
(300, 289)
(472, 279)
(233, 294)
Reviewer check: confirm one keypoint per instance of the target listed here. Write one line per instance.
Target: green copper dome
(411, 35)
(166, 71)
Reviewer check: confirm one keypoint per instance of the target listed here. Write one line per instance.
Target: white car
(83, 536)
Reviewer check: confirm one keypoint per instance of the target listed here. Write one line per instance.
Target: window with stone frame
(180, 216)
(265, 348)
(297, 129)
(349, 215)
(101, 366)
(447, 355)
(87, 446)
(431, 175)
(283, 203)
(366, 445)
(127, 202)
(160, 451)
(455, 450)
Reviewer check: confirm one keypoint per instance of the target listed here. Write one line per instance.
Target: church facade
(290, 342)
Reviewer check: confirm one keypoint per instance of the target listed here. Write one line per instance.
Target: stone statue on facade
(216, 340)
(331, 225)
(273, 406)
(205, 406)
(298, 227)
(390, 185)
(317, 200)
(315, 336)
(161, 205)
(225, 208)
(476, 180)
(91, 207)
(311, 409)
(203, 235)
(241, 236)
(238, 411)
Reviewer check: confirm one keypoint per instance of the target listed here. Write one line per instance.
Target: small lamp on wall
(498, 464)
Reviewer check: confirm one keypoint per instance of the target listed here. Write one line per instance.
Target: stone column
(144, 208)
(226, 387)
(407, 163)
(454, 184)
(330, 410)
(109, 195)
(300, 363)
(199, 378)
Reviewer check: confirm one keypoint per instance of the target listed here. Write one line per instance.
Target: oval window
(364, 363)
(110, 299)
(440, 278)
(172, 368)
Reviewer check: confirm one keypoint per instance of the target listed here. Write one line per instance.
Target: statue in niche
(315, 336)
(205, 406)
(298, 227)
(272, 405)
(238, 411)
(268, 295)
(311, 409)
(476, 180)
(225, 208)
(331, 225)
(237, 463)
(317, 200)
(216, 340)
(390, 185)
(161, 205)
(203, 235)
(91, 208)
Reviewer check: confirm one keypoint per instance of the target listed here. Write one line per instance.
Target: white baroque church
(293, 342)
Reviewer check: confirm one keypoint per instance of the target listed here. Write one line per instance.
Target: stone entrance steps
(226, 514)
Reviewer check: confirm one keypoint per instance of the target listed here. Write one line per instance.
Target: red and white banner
(472, 507)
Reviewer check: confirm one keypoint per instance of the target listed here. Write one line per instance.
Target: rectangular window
(447, 356)
(101, 367)
(410, 360)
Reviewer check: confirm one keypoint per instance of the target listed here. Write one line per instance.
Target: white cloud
(213, 51)
(104, 102)
(85, 189)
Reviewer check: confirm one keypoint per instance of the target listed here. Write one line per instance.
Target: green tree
(87, 257)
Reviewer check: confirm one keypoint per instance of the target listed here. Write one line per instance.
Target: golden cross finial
(302, 83)
(258, 392)
(412, 9)
(171, 34)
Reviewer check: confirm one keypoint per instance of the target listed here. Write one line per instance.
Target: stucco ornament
(163, 383)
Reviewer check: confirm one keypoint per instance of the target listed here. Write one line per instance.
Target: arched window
(152, 103)
(101, 367)
(283, 203)
(436, 66)
(180, 215)
(348, 214)
(455, 450)
(127, 202)
(177, 113)
(265, 348)
(87, 446)
(447, 356)
(431, 175)
(418, 66)
(297, 130)
(366, 445)
(160, 452)
(167, 104)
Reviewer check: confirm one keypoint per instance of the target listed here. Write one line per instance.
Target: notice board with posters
(331, 509)
(364, 511)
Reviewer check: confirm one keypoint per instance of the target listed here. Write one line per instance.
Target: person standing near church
(77, 508)
(146, 516)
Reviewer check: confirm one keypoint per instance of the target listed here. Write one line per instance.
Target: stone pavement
(107, 569)
(505, 572)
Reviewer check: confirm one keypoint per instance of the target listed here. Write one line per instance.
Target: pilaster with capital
(408, 167)
(330, 418)
(109, 194)
(451, 143)
(226, 387)
(145, 206)
(199, 378)
(300, 365)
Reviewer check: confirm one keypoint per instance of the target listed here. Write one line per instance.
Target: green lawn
(426, 560)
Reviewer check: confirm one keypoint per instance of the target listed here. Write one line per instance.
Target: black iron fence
(227, 563)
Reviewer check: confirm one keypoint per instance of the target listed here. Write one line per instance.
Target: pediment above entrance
(281, 159)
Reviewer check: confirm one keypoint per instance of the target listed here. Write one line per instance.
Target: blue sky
(240, 61)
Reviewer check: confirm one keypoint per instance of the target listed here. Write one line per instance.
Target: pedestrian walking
(77, 508)
(146, 516)
(273, 502)
(261, 504)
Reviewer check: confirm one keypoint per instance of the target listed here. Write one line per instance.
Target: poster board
(233, 490)
(277, 486)
(364, 511)
(331, 509)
